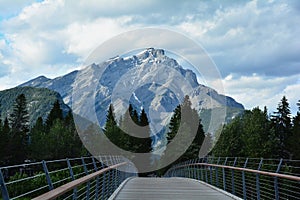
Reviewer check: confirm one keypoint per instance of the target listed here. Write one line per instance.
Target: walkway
(167, 188)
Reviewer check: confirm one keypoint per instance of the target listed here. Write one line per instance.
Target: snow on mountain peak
(150, 79)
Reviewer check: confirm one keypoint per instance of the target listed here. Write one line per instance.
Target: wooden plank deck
(168, 188)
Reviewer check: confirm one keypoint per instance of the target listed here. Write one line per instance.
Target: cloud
(255, 37)
(243, 38)
(257, 90)
(10, 8)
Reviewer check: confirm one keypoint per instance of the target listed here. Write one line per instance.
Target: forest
(254, 133)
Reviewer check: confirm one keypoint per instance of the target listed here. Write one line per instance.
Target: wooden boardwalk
(167, 188)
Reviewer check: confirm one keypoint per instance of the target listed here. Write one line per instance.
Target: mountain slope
(149, 80)
(39, 101)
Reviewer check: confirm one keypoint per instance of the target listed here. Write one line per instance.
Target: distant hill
(39, 101)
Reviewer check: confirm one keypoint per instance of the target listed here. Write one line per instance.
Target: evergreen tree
(55, 141)
(111, 129)
(55, 113)
(230, 142)
(186, 129)
(5, 139)
(38, 140)
(76, 147)
(144, 124)
(133, 124)
(146, 143)
(294, 139)
(19, 135)
(250, 135)
(174, 124)
(258, 136)
(282, 126)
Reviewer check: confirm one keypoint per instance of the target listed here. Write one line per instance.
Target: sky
(254, 44)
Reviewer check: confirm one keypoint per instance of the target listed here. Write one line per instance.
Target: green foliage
(55, 141)
(130, 124)
(27, 185)
(186, 129)
(281, 122)
(254, 134)
(230, 142)
(294, 140)
(248, 135)
(39, 102)
(4, 142)
(133, 124)
(55, 113)
(19, 133)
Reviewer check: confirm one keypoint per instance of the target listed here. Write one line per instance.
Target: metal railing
(247, 178)
(76, 178)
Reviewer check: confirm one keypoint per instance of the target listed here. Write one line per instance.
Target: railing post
(189, 168)
(244, 181)
(210, 173)
(115, 172)
(224, 176)
(88, 183)
(257, 180)
(103, 179)
(72, 177)
(194, 169)
(4, 191)
(97, 179)
(201, 170)
(197, 167)
(276, 180)
(232, 176)
(206, 177)
(217, 176)
(48, 178)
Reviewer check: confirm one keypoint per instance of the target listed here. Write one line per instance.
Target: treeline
(255, 133)
(54, 138)
(133, 133)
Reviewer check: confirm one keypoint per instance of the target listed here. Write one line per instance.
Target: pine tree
(174, 124)
(282, 125)
(55, 113)
(294, 139)
(230, 142)
(186, 129)
(7, 154)
(258, 136)
(147, 141)
(145, 144)
(19, 136)
(6, 128)
(76, 146)
(38, 150)
(111, 129)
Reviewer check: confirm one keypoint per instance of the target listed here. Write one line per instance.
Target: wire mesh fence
(30, 180)
(248, 178)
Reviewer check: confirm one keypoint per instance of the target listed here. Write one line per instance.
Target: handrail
(71, 185)
(30, 180)
(290, 177)
(247, 178)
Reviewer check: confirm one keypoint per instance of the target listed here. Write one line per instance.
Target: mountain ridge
(39, 102)
(124, 73)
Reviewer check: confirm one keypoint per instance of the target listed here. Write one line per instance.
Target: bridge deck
(168, 188)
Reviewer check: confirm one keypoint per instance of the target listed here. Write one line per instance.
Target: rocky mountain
(39, 101)
(150, 80)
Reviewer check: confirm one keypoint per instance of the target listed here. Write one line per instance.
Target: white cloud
(253, 37)
(53, 37)
(81, 39)
(263, 91)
